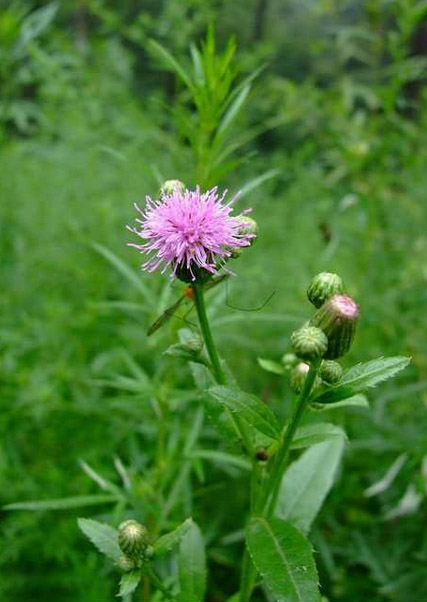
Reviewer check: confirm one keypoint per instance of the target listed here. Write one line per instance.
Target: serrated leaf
(284, 559)
(307, 482)
(271, 366)
(316, 433)
(129, 582)
(103, 536)
(361, 377)
(65, 503)
(167, 542)
(192, 566)
(251, 409)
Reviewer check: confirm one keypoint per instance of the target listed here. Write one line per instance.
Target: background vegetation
(330, 150)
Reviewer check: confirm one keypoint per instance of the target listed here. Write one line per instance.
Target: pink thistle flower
(188, 229)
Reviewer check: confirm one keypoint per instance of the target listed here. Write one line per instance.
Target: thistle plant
(194, 235)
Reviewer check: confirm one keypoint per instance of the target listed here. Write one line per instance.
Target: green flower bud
(133, 539)
(249, 226)
(323, 286)
(297, 378)
(309, 343)
(337, 318)
(126, 564)
(289, 360)
(170, 186)
(330, 371)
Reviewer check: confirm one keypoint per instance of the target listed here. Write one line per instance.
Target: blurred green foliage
(330, 151)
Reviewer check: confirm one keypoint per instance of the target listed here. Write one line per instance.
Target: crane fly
(188, 294)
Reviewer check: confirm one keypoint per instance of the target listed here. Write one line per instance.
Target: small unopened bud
(309, 343)
(248, 226)
(170, 186)
(337, 318)
(262, 455)
(323, 287)
(289, 360)
(297, 378)
(126, 563)
(330, 371)
(133, 539)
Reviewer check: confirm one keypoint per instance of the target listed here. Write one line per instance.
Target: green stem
(157, 582)
(248, 569)
(199, 301)
(217, 370)
(268, 503)
(279, 465)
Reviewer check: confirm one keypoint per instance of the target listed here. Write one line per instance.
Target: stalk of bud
(337, 318)
(309, 343)
(324, 286)
(133, 539)
(330, 371)
(170, 186)
(297, 378)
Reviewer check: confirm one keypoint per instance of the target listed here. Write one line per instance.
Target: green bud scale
(297, 378)
(330, 371)
(133, 539)
(337, 318)
(309, 343)
(324, 286)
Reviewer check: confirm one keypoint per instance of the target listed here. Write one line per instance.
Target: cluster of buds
(133, 539)
(328, 335)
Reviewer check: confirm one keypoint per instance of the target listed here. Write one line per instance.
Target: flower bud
(330, 371)
(133, 539)
(337, 318)
(323, 286)
(309, 343)
(298, 376)
(289, 360)
(248, 227)
(170, 186)
(126, 564)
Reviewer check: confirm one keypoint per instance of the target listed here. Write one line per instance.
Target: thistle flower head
(187, 230)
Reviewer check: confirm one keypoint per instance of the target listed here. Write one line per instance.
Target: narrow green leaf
(271, 366)
(103, 537)
(316, 433)
(222, 458)
(132, 277)
(233, 110)
(362, 377)
(37, 22)
(170, 62)
(192, 566)
(255, 182)
(307, 482)
(250, 408)
(65, 503)
(168, 541)
(129, 582)
(284, 559)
